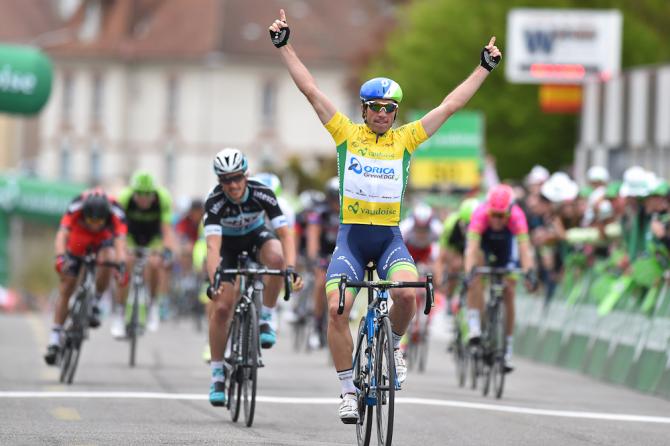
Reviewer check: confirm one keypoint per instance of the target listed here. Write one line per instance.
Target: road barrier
(613, 327)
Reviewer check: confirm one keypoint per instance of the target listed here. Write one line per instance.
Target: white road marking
(328, 401)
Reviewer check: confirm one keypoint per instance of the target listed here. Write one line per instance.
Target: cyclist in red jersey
(93, 222)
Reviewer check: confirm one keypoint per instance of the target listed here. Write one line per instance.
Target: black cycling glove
(531, 278)
(280, 38)
(487, 61)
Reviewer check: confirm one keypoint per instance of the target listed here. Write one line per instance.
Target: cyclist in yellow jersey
(373, 165)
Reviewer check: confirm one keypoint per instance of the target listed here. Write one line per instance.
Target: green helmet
(466, 209)
(143, 181)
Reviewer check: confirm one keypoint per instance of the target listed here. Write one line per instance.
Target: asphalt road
(164, 399)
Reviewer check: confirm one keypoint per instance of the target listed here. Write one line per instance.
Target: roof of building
(144, 29)
(27, 21)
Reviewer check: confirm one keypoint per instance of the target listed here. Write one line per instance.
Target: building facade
(625, 122)
(165, 85)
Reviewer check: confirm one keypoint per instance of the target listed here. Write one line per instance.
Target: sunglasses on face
(232, 179)
(501, 215)
(379, 106)
(94, 221)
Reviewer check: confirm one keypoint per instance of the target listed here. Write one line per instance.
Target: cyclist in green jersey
(148, 209)
(373, 163)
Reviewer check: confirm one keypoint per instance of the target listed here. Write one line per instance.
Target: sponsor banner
(424, 172)
(25, 79)
(453, 155)
(562, 45)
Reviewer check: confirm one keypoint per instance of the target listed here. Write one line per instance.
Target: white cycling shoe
(400, 366)
(348, 409)
(118, 327)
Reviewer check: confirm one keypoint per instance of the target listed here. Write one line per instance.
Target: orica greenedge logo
(383, 173)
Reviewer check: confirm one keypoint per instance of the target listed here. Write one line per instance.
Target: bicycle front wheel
(498, 343)
(133, 326)
(234, 387)
(250, 346)
(385, 378)
(363, 381)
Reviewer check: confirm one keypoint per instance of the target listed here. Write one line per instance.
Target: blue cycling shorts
(359, 244)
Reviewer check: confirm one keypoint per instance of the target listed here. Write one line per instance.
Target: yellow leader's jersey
(373, 170)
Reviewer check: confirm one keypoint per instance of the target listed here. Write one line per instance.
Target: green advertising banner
(30, 198)
(36, 199)
(453, 155)
(25, 79)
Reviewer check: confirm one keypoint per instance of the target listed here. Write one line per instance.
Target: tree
(436, 45)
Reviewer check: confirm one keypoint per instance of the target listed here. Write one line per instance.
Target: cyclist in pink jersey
(497, 236)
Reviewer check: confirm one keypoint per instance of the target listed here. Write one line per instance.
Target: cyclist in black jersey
(234, 221)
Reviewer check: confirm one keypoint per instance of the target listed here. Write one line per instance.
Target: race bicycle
(136, 308)
(373, 361)
(245, 358)
(488, 357)
(77, 323)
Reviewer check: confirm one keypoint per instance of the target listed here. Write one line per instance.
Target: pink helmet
(501, 198)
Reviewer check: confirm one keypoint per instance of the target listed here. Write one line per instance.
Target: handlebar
(254, 272)
(384, 285)
(495, 271)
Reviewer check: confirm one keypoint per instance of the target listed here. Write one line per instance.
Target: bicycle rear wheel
(234, 387)
(498, 343)
(363, 381)
(250, 348)
(385, 378)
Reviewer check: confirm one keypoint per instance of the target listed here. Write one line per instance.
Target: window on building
(68, 99)
(97, 99)
(269, 104)
(65, 160)
(172, 103)
(95, 163)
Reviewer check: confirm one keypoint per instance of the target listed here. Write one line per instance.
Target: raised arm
(460, 96)
(279, 34)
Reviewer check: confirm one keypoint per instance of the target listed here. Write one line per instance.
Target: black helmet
(96, 205)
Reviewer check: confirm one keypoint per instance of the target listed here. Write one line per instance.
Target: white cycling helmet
(228, 161)
(597, 174)
(422, 214)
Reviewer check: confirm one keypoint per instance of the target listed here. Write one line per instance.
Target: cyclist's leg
(346, 259)
(118, 320)
(396, 264)
(270, 254)
(220, 315)
(475, 303)
(153, 277)
(68, 282)
(319, 299)
(103, 277)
